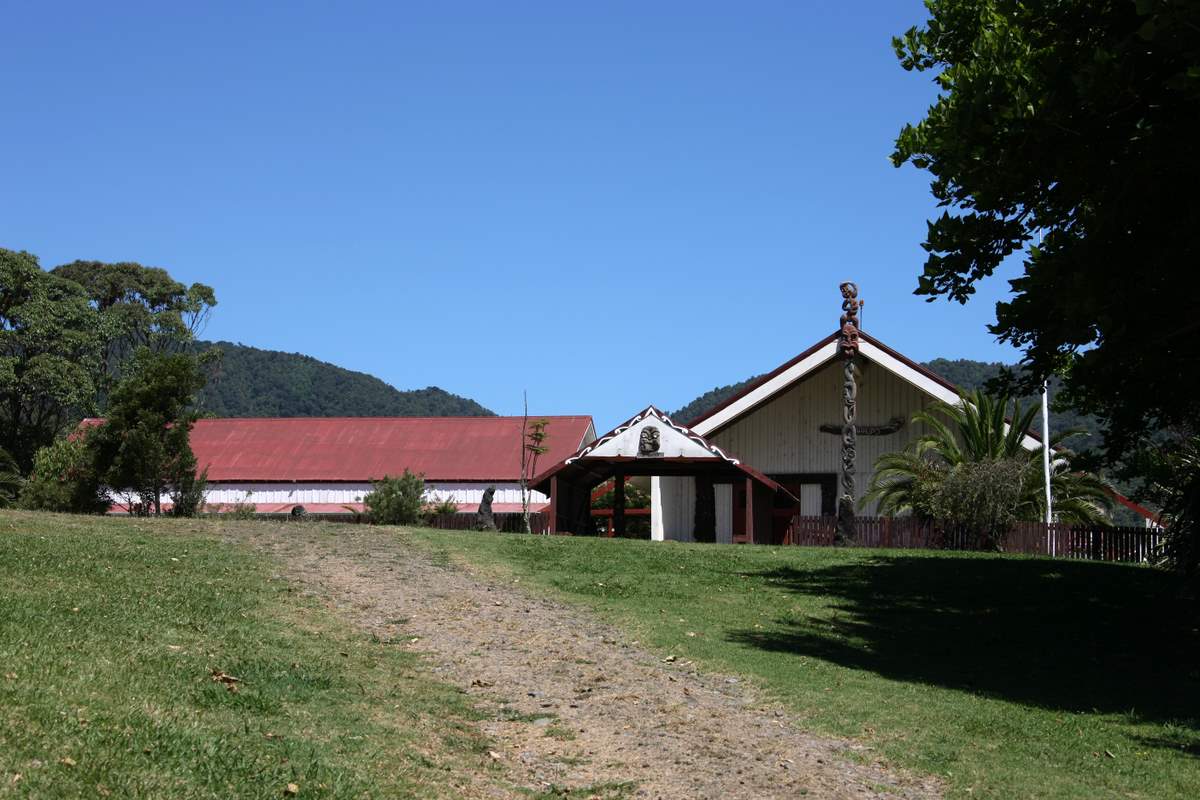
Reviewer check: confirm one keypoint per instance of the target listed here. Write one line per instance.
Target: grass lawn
(1008, 676)
(110, 632)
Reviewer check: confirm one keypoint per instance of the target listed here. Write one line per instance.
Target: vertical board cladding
(678, 507)
(783, 436)
(723, 506)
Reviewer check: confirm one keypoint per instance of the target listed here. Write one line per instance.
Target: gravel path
(577, 704)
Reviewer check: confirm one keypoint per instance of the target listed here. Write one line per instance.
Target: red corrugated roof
(367, 448)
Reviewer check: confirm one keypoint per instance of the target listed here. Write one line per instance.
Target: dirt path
(579, 705)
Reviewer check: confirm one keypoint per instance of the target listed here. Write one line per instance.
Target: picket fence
(1060, 540)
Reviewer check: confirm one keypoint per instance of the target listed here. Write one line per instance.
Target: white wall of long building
(267, 493)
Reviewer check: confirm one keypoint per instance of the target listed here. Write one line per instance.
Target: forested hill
(250, 382)
(963, 373)
(710, 400)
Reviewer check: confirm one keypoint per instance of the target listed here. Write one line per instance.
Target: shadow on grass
(1071, 636)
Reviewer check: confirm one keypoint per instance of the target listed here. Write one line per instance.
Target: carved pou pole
(849, 348)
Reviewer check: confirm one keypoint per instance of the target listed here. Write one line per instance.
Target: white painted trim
(817, 360)
(766, 390)
(706, 447)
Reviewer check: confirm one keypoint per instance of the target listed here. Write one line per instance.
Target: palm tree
(977, 429)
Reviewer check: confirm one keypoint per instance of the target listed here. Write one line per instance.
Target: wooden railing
(1057, 539)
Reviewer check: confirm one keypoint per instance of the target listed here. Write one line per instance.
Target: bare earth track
(578, 705)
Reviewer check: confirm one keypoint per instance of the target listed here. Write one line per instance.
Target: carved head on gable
(849, 337)
(648, 441)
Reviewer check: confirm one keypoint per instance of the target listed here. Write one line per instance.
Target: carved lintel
(893, 425)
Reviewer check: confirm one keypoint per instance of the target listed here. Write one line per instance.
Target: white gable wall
(783, 437)
(672, 443)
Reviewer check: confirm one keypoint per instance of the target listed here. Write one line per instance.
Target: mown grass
(110, 631)
(1007, 676)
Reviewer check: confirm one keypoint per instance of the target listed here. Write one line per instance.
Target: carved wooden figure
(849, 349)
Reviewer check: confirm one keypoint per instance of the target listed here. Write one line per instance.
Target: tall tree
(139, 306)
(49, 352)
(142, 448)
(1077, 121)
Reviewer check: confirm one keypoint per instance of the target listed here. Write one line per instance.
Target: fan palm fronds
(979, 428)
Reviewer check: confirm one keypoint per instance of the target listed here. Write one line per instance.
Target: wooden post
(750, 510)
(618, 517)
(553, 510)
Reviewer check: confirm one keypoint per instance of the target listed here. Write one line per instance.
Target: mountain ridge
(254, 382)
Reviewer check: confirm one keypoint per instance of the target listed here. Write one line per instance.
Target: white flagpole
(1046, 449)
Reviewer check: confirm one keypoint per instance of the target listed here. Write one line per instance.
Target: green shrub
(242, 509)
(437, 508)
(983, 497)
(65, 478)
(187, 498)
(396, 501)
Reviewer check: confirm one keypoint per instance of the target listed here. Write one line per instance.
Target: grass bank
(147, 659)
(1008, 676)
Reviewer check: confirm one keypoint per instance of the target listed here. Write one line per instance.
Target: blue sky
(607, 204)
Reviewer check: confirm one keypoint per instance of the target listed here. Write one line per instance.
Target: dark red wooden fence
(508, 522)
(1057, 539)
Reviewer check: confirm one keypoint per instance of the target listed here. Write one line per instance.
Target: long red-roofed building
(327, 464)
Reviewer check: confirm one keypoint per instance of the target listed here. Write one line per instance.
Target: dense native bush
(10, 479)
(982, 497)
(396, 501)
(65, 478)
(1176, 486)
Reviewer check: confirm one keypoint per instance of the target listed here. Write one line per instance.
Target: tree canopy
(138, 306)
(49, 352)
(1078, 123)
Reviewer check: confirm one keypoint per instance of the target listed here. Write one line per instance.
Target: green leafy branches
(1076, 124)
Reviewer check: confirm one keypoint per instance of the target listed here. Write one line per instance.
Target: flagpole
(1046, 458)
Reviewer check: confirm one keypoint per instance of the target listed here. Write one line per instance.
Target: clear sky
(607, 204)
